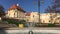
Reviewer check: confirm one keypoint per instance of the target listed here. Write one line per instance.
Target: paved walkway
(35, 30)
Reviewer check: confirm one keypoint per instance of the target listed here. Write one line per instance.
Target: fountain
(31, 25)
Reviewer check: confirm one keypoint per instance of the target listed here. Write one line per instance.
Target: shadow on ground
(2, 32)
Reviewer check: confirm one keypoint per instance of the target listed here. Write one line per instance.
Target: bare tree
(55, 8)
(2, 12)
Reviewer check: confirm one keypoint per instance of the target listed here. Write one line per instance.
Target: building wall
(15, 14)
(10, 13)
(56, 18)
(44, 17)
(33, 17)
(50, 18)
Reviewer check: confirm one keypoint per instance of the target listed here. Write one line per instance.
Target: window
(33, 15)
(14, 14)
(49, 20)
(58, 18)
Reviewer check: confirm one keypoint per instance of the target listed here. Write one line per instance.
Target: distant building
(50, 18)
(32, 17)
(55, 17)
(16, 12)
(45, 17)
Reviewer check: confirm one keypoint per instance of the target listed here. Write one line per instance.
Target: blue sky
(27, 5)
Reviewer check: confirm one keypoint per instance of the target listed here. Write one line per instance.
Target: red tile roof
(28, 14)
(16, 7)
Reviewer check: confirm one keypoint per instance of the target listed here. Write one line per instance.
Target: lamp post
(39, 4)
(39, 10)
(30, 32)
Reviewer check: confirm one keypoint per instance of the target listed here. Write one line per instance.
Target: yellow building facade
(44, 17)
(32, 17)
(15, 12)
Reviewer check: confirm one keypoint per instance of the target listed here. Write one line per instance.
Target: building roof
(15, 6)
(28, 14)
